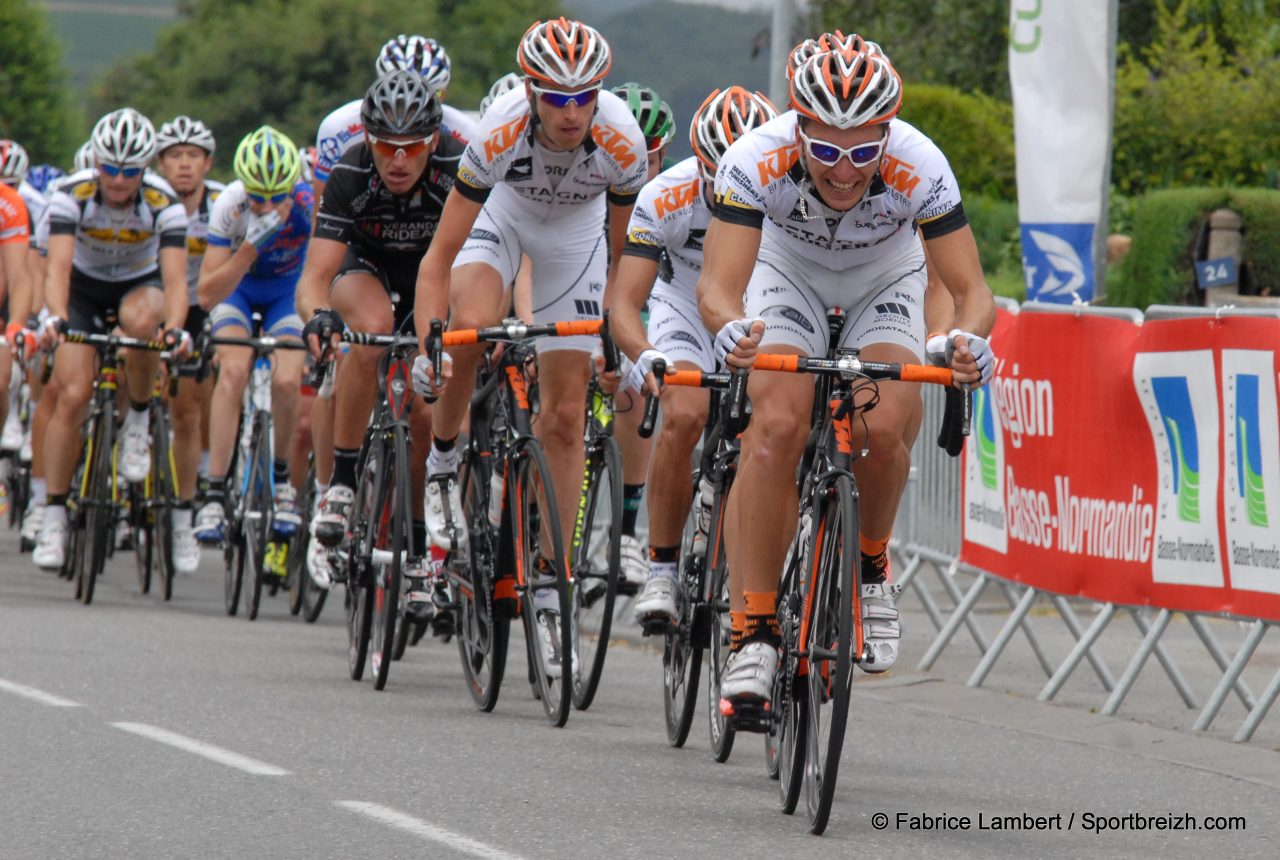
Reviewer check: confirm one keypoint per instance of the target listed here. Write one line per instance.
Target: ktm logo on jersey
(125, 236)
(504, 137)
(614, 142)
(898, 175)
(777, 162)
(674, 199)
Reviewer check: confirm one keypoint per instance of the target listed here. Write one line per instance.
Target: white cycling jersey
(761, 181)
(198, 236)
(36, 204)
(344, 128)
(530, 181)
(117, 244)
(671, 215)
(40, 229)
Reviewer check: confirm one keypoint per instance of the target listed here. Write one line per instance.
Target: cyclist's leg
(362, 300)
(231, 318)
(186, 408)
(282, 321)
(141, 315)
(74, 368)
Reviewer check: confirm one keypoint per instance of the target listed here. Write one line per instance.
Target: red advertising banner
(1133, 464)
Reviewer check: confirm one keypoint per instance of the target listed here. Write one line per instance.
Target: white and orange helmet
(564, 53)
(835, 40)
(725, 116)
(847, 89)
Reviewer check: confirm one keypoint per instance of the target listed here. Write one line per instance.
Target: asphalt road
(132, 728)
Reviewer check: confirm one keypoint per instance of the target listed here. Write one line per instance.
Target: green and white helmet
(267, 161)
(656, 119)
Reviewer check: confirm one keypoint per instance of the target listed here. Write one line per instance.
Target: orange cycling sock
(761, 616)
(875, 559)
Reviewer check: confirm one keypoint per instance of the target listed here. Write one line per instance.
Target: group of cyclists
(557, 204)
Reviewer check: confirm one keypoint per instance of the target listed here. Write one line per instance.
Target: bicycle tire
(593, 613)
(143, 538)
(720, 730)
(164, 497)
(257, 528)
(682, 650)
(790, 696)
(358, 601)
(71, 562)
(394, 515)
(482, 636)
(99, 516)
(299, 579)
(834, 547)
(533, 504)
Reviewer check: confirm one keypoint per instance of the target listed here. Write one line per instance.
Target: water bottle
(497, 484)
(702, 524)
(261, 385)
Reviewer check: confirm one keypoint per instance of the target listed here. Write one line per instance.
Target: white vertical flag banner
(1061, 70)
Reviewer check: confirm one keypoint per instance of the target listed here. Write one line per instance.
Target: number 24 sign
(1220, 272)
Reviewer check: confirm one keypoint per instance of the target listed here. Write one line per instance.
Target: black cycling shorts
(399, 277)
(94, 305)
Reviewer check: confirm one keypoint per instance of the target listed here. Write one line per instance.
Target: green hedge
(994, 222)
(1165, 228)
(973, 130)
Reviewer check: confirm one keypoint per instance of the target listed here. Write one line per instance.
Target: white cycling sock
(662, 570)
(39, 492)
(546, 598)
(135, 418)
(55, 514)
(443, 461)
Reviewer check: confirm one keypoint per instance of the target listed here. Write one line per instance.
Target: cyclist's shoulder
(503, 126)
(456, 124)
(213, 188)
(673, 193)
(343, 121)
(157, 195)
(12, 207)
(614, 129)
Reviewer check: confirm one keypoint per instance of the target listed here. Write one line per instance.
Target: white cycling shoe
(446, 525)
(634, 563)
(749, 672)
(656, 603)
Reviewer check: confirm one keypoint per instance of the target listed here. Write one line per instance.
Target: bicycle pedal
(626, 589)
(654, 626)
(748, 716)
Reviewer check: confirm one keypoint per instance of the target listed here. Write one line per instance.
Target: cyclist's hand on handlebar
(641, 376)
(737, 340)
(610, 381)
(971, 358)
(425, 382)
(50, 334)
(178, 341)
(322, 331)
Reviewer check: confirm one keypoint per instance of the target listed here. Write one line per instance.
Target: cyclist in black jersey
(380, 211)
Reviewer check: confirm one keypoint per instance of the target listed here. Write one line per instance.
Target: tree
(35, 105)
(236, 64)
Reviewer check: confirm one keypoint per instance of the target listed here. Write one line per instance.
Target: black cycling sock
(444, 445)
(419, 531)
(280, 471)
(344, 466)
(631, 496)
(57, 500)
(184, 505)
(138, 407)
(664, 554)
(217, 490)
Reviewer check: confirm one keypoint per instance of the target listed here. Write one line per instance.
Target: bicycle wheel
(359, 579)
(540, 556)
(719, 728)
(390, 550)
(257, 517)
(299, 579)
(790, 694)
(143, 536)
(163, 499)
(482, 636)
(98, 503)
(829, 638)
(682, 642)
(234, 554)
(597, 557)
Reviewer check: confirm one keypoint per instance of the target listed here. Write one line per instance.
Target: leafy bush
(973, 130)
(995, 228)
(1159, 268)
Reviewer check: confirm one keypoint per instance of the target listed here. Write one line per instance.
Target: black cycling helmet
(401, 104)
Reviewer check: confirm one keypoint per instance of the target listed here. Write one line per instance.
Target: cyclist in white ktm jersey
(117, 249)
(669, 222)
(534, 180)
(185, 148)
(816, 209)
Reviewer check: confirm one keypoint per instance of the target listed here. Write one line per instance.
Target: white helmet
(14, 162)
(847, 89)
(564, 53)
(84, 157)
(418, 54)
(501, 86)
(724, 117)
(124, 136)
(184, 129)
(834, 40)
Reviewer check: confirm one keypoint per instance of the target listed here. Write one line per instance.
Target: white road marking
(200, 748)
(418, 827)
(37, 695)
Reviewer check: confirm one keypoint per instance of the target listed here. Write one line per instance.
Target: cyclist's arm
(173, 273)
(36, 274)
(13, 264)
(317, 191)
(619, 218)
(221, 271)
(432, 298)
(625, 299)
(324, 258)
(939, 310)
(57, 282)
(728, 259)
(954, 255)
